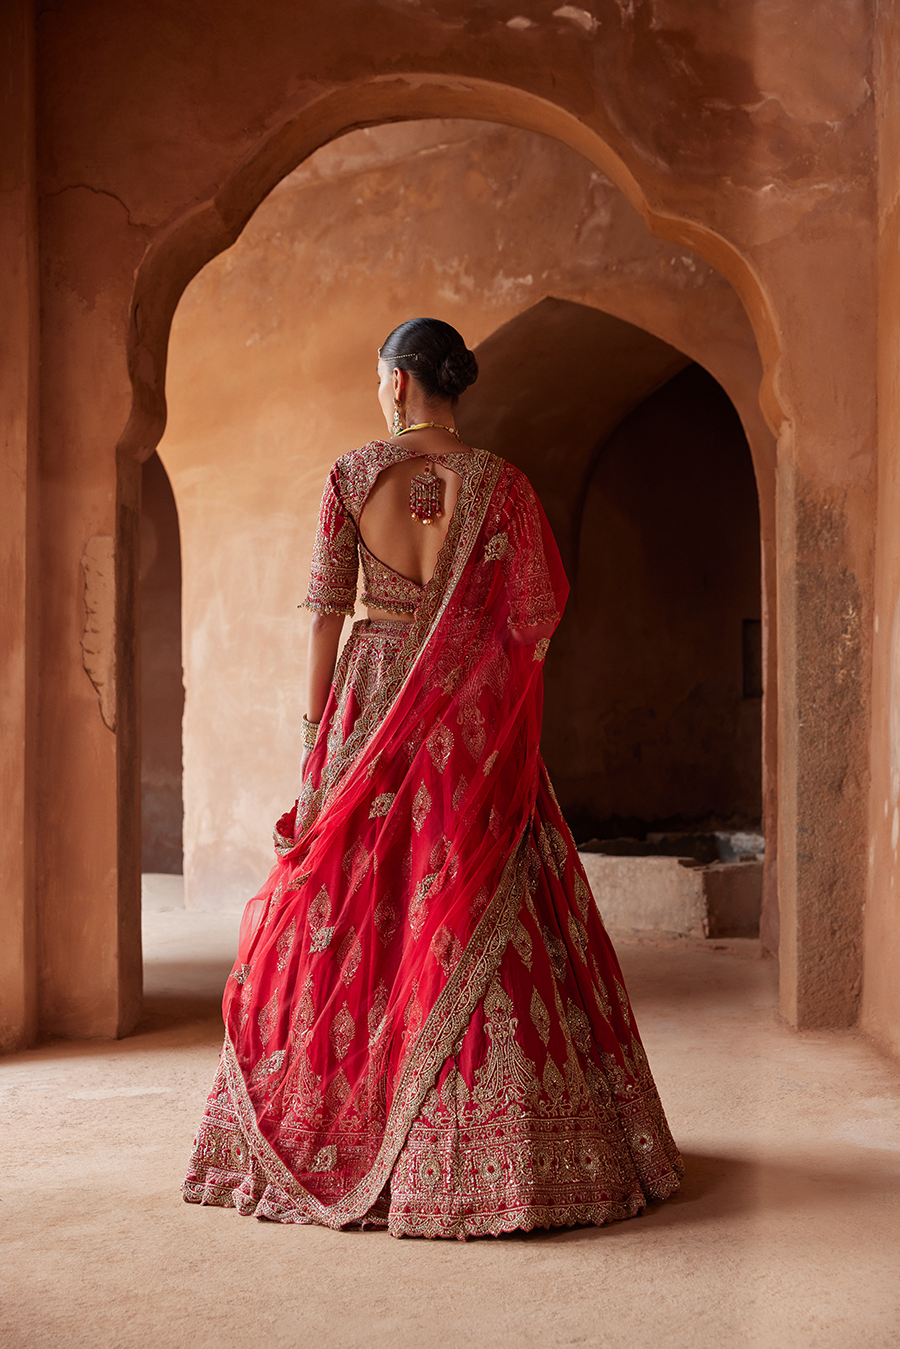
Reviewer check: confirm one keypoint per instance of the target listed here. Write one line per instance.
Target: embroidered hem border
(446, 1022)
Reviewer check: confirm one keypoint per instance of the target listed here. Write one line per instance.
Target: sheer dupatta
(400, 877)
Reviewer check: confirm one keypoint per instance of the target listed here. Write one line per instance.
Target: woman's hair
(435, 353)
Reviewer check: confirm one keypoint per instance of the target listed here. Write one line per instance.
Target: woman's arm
(324, 638)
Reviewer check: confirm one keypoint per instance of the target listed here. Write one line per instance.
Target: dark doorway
(652, 714)
(162, 684)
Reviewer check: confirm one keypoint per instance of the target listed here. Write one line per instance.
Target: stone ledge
(672, 896)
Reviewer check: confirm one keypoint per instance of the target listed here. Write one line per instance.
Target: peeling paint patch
(98, 642)
(577, 15)
(519, 23)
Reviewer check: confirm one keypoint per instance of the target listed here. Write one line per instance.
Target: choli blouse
(339, 549)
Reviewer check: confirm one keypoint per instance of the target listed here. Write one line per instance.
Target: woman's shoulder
(355, 472)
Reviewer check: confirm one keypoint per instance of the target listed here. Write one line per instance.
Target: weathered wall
(162, 687)
(19, 356)
(271, 375)
(744, 132)
(881, 984)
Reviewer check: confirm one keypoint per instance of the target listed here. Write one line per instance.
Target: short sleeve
(335, 560)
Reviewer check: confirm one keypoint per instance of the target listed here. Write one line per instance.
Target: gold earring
(397, 423)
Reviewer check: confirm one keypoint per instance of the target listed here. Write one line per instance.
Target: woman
(427, 1028)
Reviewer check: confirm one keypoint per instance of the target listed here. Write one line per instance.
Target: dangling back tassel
(425, 495)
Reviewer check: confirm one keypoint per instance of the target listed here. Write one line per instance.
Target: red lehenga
(426, 1027)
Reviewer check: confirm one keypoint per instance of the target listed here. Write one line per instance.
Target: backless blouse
(339, 548)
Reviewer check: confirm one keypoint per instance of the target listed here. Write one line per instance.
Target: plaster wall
(271, 376)
(19, 356)
(881, 986)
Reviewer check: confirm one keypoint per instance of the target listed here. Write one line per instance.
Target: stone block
(733, 898)
(669, 896)
(647, 894)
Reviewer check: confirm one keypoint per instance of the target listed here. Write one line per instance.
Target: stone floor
(787, 1231)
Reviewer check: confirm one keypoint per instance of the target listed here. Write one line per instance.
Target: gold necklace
(425, 487)
(422, 426)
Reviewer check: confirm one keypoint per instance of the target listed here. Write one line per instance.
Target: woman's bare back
(386, 526)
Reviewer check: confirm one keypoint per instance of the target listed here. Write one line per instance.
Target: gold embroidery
(335, 564)
(489, 762)
(343, 1029)
(349, 955)
(321, 939)
(540, 1016)
(381, 805)
(267, 1017)
(471, 719)
(377, 1009)
(522, 942)
(507, 1074)
(356, 864)
(440, 746)
(600, 994)
(385, 918)
(446, 949)
(541, 648)
(438, 855)
(387, 589)
(273, 903)
(583, 894)
(338, 1093)
(284, 944)
(266, 1066)
(325, 1159)
(461, 788)
(305, 1011)
(580, 1027)
(556, 949)
(421, 807)
(578, 935)
(623, 1003)
(418, 909)
(495, 548)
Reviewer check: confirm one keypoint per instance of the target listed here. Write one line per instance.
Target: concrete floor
(787, 1231)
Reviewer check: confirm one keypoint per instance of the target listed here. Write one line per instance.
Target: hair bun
(456, 372)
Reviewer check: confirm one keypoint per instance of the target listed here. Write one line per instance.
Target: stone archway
(645, 473)
(186, 246)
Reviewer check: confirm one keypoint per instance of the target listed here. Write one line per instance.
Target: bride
(426, 1027)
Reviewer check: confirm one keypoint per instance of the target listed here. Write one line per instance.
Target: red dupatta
(400, 875)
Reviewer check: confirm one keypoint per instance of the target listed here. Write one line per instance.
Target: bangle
(310, 731)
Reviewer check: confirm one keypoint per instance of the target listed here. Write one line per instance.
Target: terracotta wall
(162, 687)
(19, 361)
(271, 376)
(881, 985)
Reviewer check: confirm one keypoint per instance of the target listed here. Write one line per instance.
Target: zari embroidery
(343, 1028)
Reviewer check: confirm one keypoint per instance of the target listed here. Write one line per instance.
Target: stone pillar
(825, 508)
(19, 311)
(89, 759)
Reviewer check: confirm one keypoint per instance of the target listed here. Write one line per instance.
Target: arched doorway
(653, 683)
(270, 359)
